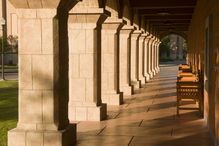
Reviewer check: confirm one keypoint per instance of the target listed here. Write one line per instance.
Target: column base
(127, 90)
(87, 113)
(151, 74)
(147, 77)
(113, 99)
(142, 81)
(20, 137)
(154, 72)
(136, 84)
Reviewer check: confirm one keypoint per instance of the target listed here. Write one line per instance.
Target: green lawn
(8, 108)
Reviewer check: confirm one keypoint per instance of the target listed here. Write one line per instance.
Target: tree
(12, 43)
(165, 46)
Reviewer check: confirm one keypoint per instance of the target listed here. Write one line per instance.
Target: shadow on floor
(148, 118)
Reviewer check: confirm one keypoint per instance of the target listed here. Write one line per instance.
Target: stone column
(141, 56)
(124, 60)
(150, 56)
(146, 59)
(134, 59)
(43, 80)
(153, 56)
(155, 52)
(110, 62)
(85, 63)
(157, 58)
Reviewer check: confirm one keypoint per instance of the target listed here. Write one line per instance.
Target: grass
(8, 108)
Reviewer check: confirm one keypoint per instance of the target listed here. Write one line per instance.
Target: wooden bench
(189, 86)
(184, 68)
(188, 90)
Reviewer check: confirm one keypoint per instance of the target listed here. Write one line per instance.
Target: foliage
(8, 108)
(185, 48)
(5, 44)
(166, 60)
(13, 43)
(165, 46)
(10, 44)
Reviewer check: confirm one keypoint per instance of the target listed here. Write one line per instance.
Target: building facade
(75, 57)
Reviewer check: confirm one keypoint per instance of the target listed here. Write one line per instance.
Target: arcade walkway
(147, 119)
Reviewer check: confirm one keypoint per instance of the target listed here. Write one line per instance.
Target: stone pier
(134, 59)
(43, 76)
(124, 59)
(84, 28)
(150, 58)
(110, 73)
(141, 59)
(146, 59)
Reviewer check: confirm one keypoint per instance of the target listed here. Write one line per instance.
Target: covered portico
(78, 57)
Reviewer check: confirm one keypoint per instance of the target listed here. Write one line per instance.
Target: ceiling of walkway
(166, 15)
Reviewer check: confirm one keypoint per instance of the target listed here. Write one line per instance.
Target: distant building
(176, 47)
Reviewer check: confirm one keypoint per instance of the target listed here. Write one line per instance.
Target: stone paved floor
(148, 118)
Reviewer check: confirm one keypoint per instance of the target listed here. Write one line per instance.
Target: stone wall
(203, 47)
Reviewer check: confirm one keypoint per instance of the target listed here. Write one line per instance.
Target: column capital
(157, 42)
(136, 33)
(111, 20)
(149, 36)
(88, 10)
(142, 37)
(127, 29)
(89, 20)
(36, 13)
(45, 4)
(153, 40)
(150, 39)
(113, 24)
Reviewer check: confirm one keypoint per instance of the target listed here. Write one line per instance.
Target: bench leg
(177, 106)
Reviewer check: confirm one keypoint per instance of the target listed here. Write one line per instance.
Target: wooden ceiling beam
(169, 21)
(166, 7)
(171, 11)
(166, 29)
(142, 4)
(167, 17)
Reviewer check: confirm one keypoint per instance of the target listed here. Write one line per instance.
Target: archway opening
(173, 48)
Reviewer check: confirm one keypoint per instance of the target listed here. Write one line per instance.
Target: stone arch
(179, 48)
(126, 14)
(113, 7)
(66, 4)
(88, 4)
(143, 24)
(182, 34)
(136, 19)
(146, 24)
(102, 3)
